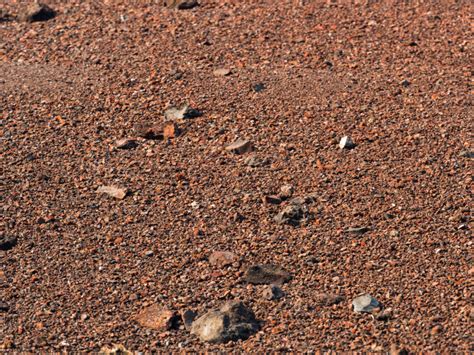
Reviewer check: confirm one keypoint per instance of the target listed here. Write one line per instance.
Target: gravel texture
(301, 75)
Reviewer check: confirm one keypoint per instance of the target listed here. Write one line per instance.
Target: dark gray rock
(7, 242)
(266, 274)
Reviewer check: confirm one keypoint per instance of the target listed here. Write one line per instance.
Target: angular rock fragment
(221, 72)
(7, 242)
(156, 317)
(222, 258)
(37, 11)
(113, 191)
(286, 191)
(233, 321)
(357, 230)
(266, 274)
(328, 299)
(365, 303)
(148, 131)
(255, 162)
(181, 4)
(346, 143)
(183, 112)
(126, 143)
(272, 199)
(292, 214)
(188, 318)
(116, 349)
(240, 146)
(170, 130)
(272, 292)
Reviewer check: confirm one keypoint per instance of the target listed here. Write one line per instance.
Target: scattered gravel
(304, 73)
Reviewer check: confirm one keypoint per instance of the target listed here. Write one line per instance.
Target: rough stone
(233, 321)
(170, 130)
(126, 143)
(346, 143)
(7, 242)
(222, 258)
(292, 214)
(272, 292)
(266, 274)
(240, 146)
(180, 113)
(156, 317)
(222, 72)
(188, 318)
(357, 230)
(272, 199)
(37, 11)
(181, 4)
(286, 191)
(328, 299)
(113, 191)
(365, 303)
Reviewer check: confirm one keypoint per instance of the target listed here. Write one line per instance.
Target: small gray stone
(365, 303)
(346, 143)
(233, 321)
(183, 112)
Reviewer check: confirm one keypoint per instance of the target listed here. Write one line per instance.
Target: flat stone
(273, 199)
(181, 4)
(125, 143)
(233, 321)
(113, 191)
(180, 113)
(222, 72)
(37, 11)
(222, 258)
(272, 292)
(346, 143)
(117, 349)
(357, 230)
(365, 303)
(7, 242)
(156, 317)
(240, 146)
(328, 299)
(266, 274)
(148, 131)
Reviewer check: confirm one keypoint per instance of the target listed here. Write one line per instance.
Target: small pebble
(365, 303)
(346, 143)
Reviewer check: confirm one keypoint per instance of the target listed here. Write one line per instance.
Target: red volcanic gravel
(390, 217)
